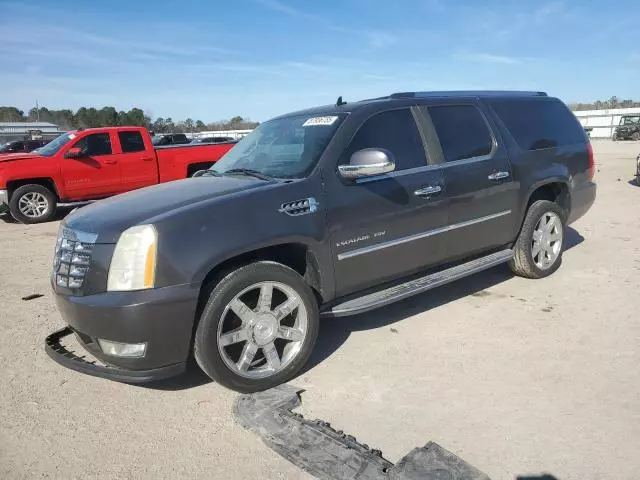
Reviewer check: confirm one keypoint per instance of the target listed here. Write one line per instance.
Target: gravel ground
(518, 377)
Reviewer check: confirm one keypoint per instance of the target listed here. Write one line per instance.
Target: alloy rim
(547, 240)
(33, 204)
(262, 330)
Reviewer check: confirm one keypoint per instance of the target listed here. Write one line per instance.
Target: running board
(419, 285)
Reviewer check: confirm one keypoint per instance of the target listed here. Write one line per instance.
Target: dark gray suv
(326, 212)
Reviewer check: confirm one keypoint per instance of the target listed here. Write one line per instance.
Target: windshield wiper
(248, 172)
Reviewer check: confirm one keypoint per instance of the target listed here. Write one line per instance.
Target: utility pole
(37, 111)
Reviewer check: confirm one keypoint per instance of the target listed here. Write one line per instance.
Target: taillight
(592, 163)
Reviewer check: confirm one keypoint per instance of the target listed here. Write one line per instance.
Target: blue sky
(211, 60)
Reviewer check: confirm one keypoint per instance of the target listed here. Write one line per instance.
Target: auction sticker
(317, 121)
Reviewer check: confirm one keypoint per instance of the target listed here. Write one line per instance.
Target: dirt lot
(518, 377)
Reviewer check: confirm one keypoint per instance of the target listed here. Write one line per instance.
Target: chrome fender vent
(299, 207)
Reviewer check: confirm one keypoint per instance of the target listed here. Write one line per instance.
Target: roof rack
(469, 93)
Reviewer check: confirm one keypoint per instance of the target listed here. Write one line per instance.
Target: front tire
(32, 203)
(538, 250)
(258, 327)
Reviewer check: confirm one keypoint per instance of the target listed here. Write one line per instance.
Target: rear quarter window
(539, 124)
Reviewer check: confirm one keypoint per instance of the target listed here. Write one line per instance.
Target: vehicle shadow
(544, 476)
(61, 212)
(335, 332)
(634, 182)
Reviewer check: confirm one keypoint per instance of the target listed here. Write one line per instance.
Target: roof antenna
(340, 102)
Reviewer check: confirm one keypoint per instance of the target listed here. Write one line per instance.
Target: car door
(138, 166)
(482, 194)
(96, 172)
(386, 226)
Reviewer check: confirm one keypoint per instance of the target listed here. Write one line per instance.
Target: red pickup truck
(92, 164)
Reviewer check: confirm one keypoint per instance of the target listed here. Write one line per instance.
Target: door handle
(110, 161)
(147, 159)
(428, 191)
(498, 176)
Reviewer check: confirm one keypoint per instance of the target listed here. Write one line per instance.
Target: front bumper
(163, 318)
(4, 200)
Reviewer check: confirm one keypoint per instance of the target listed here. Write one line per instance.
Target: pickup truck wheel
(538, 250)
(32, 204)
(258, 327)
(635, 136)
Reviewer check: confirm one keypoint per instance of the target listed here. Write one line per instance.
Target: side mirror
(368, 162)
(75, 152)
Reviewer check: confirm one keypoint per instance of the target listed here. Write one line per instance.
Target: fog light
(118, 349)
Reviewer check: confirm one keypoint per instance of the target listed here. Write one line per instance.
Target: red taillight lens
(592, 163)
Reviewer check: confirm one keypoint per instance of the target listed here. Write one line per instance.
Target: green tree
(200, 126)
(11, 114)
(108, 116)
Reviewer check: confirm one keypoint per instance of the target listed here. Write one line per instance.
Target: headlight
(133, 265)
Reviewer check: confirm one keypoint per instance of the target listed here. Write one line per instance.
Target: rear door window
(131, 142)
(462, 131)
(395, 131)
(539, 124)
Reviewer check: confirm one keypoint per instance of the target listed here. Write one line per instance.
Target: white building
(604, 122)
(20, 130)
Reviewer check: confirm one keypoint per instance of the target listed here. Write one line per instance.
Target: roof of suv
(402, 97)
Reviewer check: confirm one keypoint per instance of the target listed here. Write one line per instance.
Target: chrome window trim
(394, 174)
(418, 236)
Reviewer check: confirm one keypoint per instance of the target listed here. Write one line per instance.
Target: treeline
(160, 125)
(613, 102)
(109, 117)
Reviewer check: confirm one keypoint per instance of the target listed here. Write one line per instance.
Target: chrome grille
(72, 257)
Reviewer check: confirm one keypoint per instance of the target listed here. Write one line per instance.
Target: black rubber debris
(33, 296)
(320, 450)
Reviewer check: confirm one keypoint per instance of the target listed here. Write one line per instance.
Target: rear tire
(32, 203)
(538, 250)
(635, 136)
(247, 344)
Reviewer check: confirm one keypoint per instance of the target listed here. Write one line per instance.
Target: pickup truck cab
(92, 164)
(326, 212)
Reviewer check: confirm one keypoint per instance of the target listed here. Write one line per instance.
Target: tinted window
(131, 142)
(394, 131)
(538, 124)
(95, 144)
(462, 131)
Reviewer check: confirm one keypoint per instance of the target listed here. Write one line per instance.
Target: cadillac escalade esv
(330, 211)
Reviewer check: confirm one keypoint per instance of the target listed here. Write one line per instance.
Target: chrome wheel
(547, 240)
(33, 204)
(262, 330)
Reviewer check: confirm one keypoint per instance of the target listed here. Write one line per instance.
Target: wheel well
(296, 256)
(13, 185)
(194, 167)
(556, 192)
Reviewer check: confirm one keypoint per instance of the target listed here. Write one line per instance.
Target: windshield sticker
(316, 121)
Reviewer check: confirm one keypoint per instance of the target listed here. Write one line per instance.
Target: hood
(8, 157)
(110, 217)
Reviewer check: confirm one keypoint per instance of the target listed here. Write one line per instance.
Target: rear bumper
(162, 318)
(581, 201)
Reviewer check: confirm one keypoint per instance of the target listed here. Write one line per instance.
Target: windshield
(629, 120)
(54, 146)
(287, 147)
